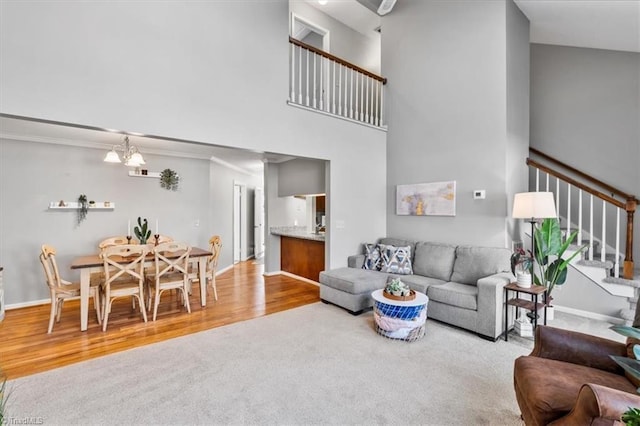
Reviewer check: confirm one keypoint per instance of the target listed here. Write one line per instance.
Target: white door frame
(239, 221)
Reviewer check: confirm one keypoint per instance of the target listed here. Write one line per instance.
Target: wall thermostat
(479, 194)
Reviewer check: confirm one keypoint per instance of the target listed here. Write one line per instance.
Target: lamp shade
(112, 157)
(136, 158)
(534, 205)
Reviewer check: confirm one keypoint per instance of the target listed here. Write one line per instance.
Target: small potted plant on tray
(397, 290)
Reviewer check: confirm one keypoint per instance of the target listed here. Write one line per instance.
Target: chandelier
(130, 153)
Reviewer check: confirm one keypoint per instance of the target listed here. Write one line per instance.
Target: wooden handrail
(629, 205)
(583, 175)
(336, 59)
(601, 195)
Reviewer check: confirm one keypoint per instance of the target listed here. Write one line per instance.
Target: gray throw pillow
(372, 257)
(396, 260)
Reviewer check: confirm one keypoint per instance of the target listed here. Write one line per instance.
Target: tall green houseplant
(552, 267)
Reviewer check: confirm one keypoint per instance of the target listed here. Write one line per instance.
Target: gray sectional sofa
(464, 283)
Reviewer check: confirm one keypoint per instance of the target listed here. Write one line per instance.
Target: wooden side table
(530, 305)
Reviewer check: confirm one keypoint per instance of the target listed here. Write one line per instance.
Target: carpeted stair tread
(596, 263)
(631, 283)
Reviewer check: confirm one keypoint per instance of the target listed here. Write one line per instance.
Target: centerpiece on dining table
(142, 230)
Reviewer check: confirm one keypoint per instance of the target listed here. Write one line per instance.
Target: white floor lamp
(533, 206)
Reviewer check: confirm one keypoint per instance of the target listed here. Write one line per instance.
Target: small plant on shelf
(142, 230)
(83, 208)
(169, 179)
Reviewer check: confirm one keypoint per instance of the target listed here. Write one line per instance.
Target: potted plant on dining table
(142, 230)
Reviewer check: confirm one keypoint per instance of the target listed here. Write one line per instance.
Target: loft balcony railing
(331, 85)
(578, 197)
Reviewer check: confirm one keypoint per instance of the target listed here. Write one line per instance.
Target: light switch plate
(479, 194)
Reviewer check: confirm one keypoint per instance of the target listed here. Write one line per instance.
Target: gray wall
(447, 113)
(168, 69)
(34, 174)
(518, 65)
(300, 177)
(585, 111)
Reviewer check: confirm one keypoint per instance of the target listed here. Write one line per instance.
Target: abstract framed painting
(426, 199)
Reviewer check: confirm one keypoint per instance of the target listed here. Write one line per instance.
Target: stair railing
(323, 82)
(620, 200)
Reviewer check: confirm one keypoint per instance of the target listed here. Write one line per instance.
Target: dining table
(93, 263)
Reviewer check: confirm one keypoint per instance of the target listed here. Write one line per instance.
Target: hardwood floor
(243, 293)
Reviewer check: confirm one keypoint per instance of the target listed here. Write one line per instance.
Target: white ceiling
(600, 24)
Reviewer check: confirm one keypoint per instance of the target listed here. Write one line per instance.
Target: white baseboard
(218, 272)
(272, 273)
(587, 314)
(248, 257)
(30, 303)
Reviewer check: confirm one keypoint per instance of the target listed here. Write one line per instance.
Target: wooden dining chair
(60, 289)
(115, 241)
(215, 247)
(169, 272)
(124, 276)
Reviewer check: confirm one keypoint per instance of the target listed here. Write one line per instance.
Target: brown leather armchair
(569, 379)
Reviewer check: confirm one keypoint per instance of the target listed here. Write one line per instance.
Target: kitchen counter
(296, 232)
(301, 253)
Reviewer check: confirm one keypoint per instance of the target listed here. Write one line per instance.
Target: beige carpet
(312, 365)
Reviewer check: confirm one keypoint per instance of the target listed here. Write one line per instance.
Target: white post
(376, 110)
(537, 180)
(357, 95)
(315, 104)
(381, 111)
(547, 182)
(604, 231)
(558, 197)
(590, 226)
(346, 93)
(580, 217)
(333, 89)
(351, 96)
(616, 269)
(340, 89)
(568, 210)
(292, 97)
(300, 75)
(366, 113)
(322, 83)
(307, 81)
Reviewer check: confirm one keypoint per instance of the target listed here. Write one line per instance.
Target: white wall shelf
(155, 175)
(73, 205)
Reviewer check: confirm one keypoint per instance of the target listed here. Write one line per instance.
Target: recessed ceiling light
(323, 2)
